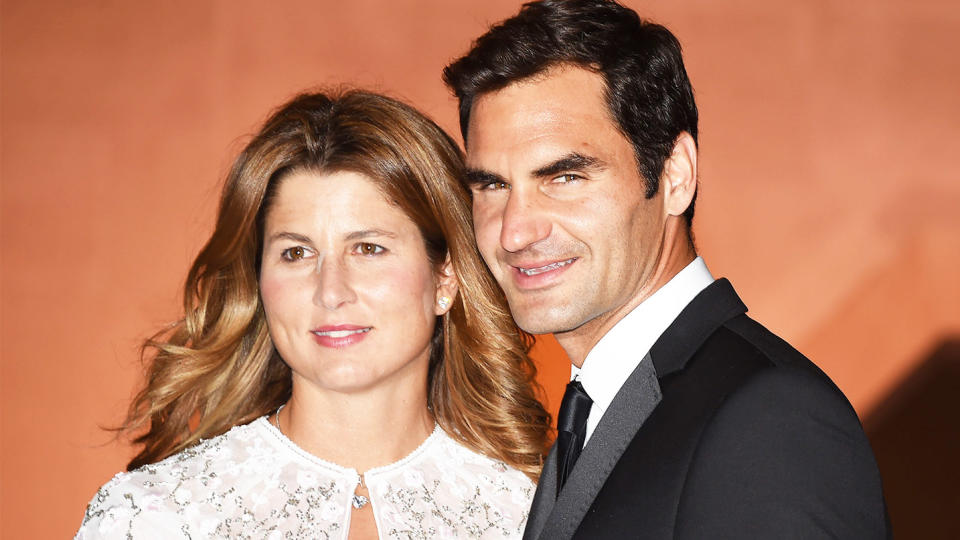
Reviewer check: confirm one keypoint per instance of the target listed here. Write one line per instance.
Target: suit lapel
(632, 405)
(544, 498)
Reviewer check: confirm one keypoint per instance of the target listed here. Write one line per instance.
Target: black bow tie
(571, 429)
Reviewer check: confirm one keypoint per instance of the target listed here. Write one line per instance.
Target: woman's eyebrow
(367, 233)
(285, 235)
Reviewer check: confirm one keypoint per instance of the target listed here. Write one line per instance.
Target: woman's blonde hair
(217, 367)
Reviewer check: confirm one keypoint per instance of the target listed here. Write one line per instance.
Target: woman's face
(349, 293)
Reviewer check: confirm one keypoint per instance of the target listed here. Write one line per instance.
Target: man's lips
(533, 269)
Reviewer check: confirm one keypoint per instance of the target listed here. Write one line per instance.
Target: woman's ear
(447, 287)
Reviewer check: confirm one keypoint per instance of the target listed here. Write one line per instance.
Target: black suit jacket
(723, 431)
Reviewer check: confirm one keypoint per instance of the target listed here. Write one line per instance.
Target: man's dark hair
(647, 88)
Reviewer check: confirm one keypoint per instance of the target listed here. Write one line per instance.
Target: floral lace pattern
(252, 482)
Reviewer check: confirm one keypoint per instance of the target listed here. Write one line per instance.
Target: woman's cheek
(283, 295)
(270, 288)
(405, 286)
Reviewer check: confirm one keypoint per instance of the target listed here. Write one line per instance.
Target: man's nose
(334, 287)
(525, 221)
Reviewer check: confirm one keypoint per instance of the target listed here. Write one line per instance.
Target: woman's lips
(341, 335)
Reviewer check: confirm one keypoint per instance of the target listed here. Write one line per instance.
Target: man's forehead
(561, 111)
(555, 95)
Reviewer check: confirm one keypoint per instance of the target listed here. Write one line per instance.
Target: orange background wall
(829, 190)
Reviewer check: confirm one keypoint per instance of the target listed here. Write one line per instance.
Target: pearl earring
(443, 302)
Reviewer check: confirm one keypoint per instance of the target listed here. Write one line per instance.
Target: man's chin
(544, 319)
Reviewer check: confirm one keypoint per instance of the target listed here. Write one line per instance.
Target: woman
(346, 366)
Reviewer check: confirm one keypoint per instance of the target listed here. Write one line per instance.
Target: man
(581, 135)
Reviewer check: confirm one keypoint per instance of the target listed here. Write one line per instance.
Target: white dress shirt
(620, 350)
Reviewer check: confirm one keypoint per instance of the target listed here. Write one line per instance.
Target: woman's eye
(294, 253)
(366, 248)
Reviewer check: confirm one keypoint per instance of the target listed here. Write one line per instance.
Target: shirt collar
(619, 351)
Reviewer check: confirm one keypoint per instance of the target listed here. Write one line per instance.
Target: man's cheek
(486, 228)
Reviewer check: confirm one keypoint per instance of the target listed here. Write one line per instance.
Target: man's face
(558, 204)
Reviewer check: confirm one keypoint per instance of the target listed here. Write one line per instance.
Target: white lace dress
(253, 482)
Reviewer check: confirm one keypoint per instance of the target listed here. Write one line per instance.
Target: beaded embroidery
(254, 482)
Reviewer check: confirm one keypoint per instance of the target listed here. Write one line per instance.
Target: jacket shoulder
(782, 454)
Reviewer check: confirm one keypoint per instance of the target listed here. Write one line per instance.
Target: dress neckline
(264, 424)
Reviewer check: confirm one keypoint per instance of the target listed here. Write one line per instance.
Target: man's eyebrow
(368, 233)
(479, 177)
(573, 161)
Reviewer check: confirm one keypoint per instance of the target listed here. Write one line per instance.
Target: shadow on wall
(915, 434)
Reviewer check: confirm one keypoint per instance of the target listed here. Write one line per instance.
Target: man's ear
(680, 175)
(447, 287)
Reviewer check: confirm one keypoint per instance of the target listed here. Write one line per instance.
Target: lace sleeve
(121, 510)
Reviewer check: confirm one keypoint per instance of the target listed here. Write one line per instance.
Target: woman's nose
(333, 284)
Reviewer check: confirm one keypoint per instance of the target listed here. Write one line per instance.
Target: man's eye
(491, 186)
(294, 253)
(565, 178)
(366, 248)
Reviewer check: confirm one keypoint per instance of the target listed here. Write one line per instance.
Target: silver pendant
(359, 501)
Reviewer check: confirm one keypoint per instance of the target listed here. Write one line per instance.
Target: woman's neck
(361, 430)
